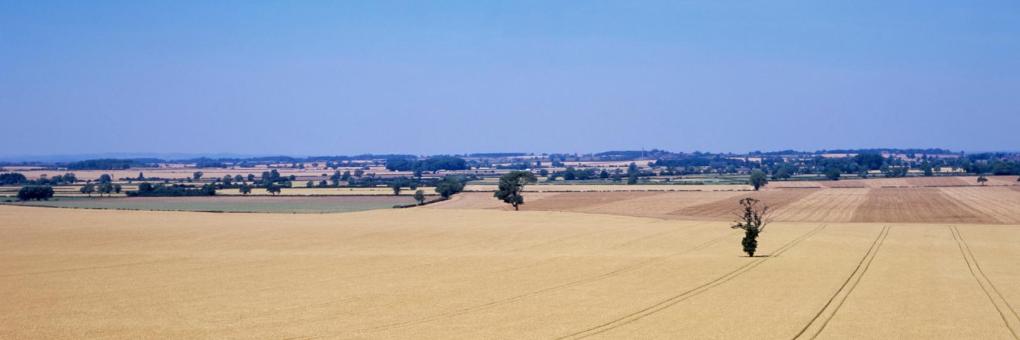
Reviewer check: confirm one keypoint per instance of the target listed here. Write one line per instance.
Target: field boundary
(998, 301)
(687, 294)
(847, 287)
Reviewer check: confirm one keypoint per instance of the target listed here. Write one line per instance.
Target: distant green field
(334, 204)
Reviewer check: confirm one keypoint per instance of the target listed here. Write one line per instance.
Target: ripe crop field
(260, 204)
(864, 262)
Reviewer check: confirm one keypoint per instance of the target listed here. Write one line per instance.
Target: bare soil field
(485, 273)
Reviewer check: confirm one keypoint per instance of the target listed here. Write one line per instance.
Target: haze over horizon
(266, 78)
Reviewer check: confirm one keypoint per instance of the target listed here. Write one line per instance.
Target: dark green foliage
(511, 185)
(982, 179)
(159, 190)
(632, 173)
(105, 178)
(434, 163)
(782, 172)
(273, 189)
(12, 178)
(88, 189)
(107, 164)
(832, 173)
(398, 184)
(419, 196)
(35, 192)
(572, 173)
(449, 186)
(244, 189)
(197, 175)
(870, 161)
(753, 218)
(758, 179)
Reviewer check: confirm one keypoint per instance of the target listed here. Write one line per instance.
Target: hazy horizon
(261, 78)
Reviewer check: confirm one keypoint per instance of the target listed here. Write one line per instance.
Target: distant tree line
(110, 164)
(149, 190)
(434, 163)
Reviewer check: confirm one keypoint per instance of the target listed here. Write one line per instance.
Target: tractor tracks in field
(496, 303)
(511, 299)
(829, 310)
(687, 294)
(1010, 318)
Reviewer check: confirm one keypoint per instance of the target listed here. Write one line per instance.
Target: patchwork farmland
(854, 262)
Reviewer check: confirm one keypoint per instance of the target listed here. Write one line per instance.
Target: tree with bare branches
(752, 219)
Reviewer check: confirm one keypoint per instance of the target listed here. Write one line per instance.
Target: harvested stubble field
(467, 269)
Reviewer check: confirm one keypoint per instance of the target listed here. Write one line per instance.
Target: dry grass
(464, 273)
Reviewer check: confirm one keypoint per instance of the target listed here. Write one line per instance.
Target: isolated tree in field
(245, 189)
(511, 185)
(752, 219)
(273, 189)
(397, 185)
(117, 188)
(449, 185)
(758, 179)
(632, 173)
(88, 189)
(238, 178)
(105, 178)
(105, 188)
(419, 196)
(982, 179)
(309, 184)
(197, 175)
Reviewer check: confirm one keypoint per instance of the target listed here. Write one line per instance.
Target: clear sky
(423, 77)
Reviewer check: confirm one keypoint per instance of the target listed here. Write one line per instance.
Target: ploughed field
(857, 262)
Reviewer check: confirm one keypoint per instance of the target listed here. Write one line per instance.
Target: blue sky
(536, 76)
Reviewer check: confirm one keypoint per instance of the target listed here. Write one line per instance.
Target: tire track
(671, 301)
(846, 289)
(985, 283)
(496, 303)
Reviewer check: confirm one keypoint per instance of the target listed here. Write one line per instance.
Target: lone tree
(758, 179)
(752, 218)
(273, 189)
(632, 173)
(398, 184)
(982, 179)
(449, 185)
(245, 189)
(419, 196)
(511, 185)
(88, 189)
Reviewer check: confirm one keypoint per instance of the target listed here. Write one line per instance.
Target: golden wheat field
(859, 262)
